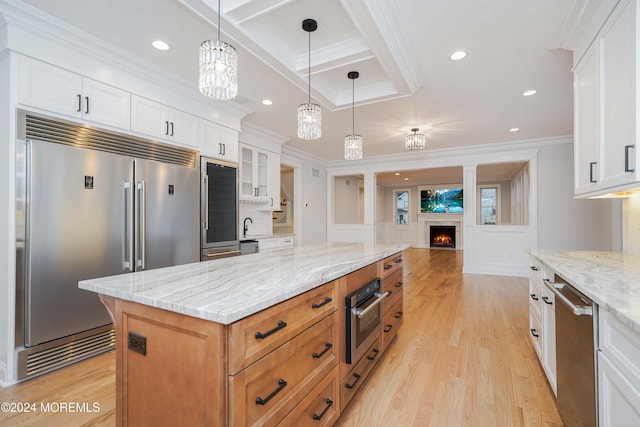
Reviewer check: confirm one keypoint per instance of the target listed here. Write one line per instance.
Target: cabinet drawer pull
(534, 268)
(86, 111)
(79, 103)
(353, 384)
(388, 266)
(398, 260)
(329, 402)
(327, 346)
(398, 315)
(546, 300)
(591, 165)
(626, 158)
(171, 129)
(281, 384)
(327, 300)
(387, 328)
(374, 355)
(166, 129)
(281, 324)
(399, 284)
(533, 332)
(534, 297)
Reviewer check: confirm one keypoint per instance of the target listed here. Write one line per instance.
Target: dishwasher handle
(578, 310)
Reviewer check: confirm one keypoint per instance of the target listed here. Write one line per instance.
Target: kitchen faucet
(245, 228)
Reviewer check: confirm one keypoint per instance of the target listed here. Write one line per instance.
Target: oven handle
(361, 313)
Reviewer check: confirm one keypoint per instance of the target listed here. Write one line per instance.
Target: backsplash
(631, 225)
(262, 222)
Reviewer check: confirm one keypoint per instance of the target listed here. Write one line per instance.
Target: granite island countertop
(610, 279)
(229, 289)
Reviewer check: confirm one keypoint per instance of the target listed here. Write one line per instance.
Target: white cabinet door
(183, 128)
(50, 88)
(618, 399)
(274, 181)
(619, 97)
(549, 337)
(149, 117)
(247, 186)
(586, 101)
(106, 104)
(218, 141)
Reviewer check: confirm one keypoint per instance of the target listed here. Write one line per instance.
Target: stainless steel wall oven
(363, 319)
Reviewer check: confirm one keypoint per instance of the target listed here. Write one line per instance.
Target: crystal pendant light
(414, 141)
(309, 115)
(353, 142)
(218, 68)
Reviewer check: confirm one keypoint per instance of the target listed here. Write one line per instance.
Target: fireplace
(442, 236)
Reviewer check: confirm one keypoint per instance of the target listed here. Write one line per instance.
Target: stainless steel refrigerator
(90, 213)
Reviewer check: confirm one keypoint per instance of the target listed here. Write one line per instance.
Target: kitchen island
(612, 281)
(251, 340)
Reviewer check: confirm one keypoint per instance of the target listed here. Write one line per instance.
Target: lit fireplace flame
(442, 239)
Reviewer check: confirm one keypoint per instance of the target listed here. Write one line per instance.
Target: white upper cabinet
(60, 91)
(258, 182)
(218, 142)
(606, 107)
(160, 121)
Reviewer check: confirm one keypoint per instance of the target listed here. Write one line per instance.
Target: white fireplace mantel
(425, 220)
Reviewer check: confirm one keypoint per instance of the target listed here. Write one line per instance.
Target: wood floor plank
(461, 358)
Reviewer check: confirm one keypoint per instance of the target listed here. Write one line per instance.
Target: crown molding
(261, 137)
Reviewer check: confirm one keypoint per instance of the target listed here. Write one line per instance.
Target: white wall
(566, 223)
(346, 191)
(314, 203)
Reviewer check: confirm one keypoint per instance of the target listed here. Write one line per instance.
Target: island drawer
(321, 407)
(253, 337)
(390, 265)
(392, 284)
(265, 392)
(352, 382)
(392, 320)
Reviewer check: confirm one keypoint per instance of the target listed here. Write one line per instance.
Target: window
(401, 207)
(489, 205)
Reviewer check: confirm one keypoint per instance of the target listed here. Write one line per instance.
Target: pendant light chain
(309, 57)
(219, 13)
(309, 115)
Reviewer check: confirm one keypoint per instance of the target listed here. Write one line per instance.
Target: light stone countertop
(611, 279)
(229, 289)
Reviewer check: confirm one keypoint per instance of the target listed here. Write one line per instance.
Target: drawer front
(266, 391)
(251, 338)
(393, 283)
(352, 382)
(621, 345)
(535, 333)
(392, 320)
(535, 297)
(390, 265)
(321, 407)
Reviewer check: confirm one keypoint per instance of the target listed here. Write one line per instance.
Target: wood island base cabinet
(283, 366)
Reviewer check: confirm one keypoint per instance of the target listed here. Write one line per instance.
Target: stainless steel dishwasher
(576, 328)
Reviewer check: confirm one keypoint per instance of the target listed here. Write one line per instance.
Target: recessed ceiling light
(397, 173)
(267, 102)
(160, 45)
(514, 129)
(406, 179)
(529, 92)
(458, 55)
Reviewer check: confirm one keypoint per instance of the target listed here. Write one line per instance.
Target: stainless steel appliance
(219, 204)
(576, 327)
(363, 319)
(92, 204)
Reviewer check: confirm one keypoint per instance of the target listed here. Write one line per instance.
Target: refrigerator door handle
(141, 224)
(205, 214)
(127, 244)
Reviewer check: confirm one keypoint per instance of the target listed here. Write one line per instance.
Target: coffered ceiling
(401, 49)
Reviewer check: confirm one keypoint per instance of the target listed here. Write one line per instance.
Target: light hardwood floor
(462, 358)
